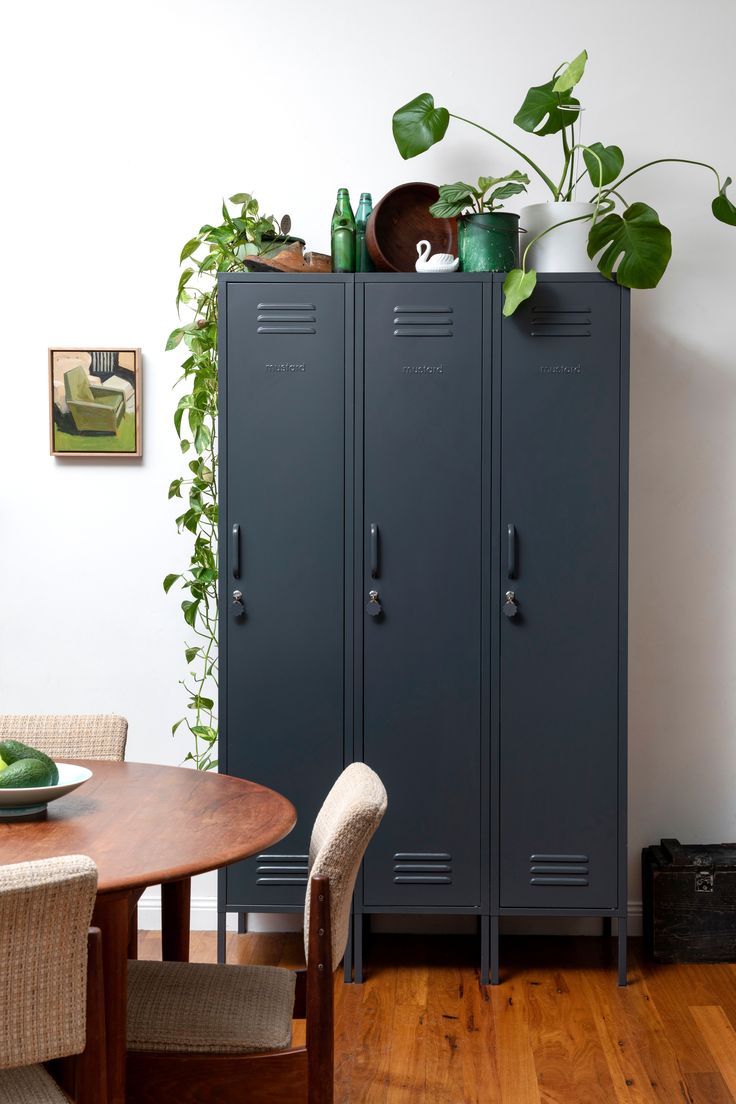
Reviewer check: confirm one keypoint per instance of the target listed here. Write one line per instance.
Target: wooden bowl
(401, 219)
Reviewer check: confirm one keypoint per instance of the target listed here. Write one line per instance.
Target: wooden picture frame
(95, 407)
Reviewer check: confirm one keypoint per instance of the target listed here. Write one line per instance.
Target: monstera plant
(626, 239)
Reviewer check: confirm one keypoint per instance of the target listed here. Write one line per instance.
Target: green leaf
(486, 182)
(174, 338)
(191, 247)
(443, 208)
(612, 162)
(517, 287)
(169, 582)
(176, 725)
(198, 702)
(722, 207)
(202, 438)
(636, 247)
(190, 653)
(504, 192)
(189, 609)
(205, 732)
(545, 111)
(175, 488)
(418, 125)
(572, 73)
(240, 197)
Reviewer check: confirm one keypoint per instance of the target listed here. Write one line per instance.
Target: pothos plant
(225, 247)
(633, 246)
(455, 199)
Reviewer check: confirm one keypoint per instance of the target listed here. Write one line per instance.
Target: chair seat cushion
(30, 1085)
(198, 1008)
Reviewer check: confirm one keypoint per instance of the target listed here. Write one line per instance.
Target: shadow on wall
(682, 594)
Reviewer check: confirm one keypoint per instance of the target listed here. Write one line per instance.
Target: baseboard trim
(204, 918)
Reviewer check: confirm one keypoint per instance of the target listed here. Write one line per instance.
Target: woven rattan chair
(222, 1034)
(68, 735)
(50, 983)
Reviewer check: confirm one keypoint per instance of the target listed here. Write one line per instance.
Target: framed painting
(95, 402)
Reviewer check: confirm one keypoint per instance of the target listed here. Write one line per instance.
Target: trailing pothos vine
(226, 247)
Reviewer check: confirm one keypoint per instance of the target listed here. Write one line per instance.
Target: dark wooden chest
(689, 901)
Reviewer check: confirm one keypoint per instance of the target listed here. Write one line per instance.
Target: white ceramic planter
(564, 249)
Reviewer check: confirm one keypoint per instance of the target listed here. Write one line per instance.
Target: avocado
(23, 773)
(13, 750)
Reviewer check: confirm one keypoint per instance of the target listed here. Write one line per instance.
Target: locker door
(285, 489)
(421, 655)
(560, 406)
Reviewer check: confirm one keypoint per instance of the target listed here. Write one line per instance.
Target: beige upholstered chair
(46, 1011)
(223, 1033)
(76, 736)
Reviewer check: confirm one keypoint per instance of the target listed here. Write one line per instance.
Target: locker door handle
(236, 551)
(511, 551)
(374, 551)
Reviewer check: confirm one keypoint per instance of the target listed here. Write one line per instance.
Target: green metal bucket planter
(488, 242)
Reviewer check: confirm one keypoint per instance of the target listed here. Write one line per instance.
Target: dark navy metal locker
(562, 398)
(283, 384)
(421, 541)
(441, 458)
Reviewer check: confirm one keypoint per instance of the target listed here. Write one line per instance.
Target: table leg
(112, 916)
(133, 936)
(175, 902)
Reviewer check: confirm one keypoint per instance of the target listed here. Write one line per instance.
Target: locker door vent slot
(414, 321)
(282, 870)
(286, 318)
(555, 322)
(558, 870)
(422, 868)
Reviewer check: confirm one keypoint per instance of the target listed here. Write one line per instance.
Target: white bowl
(26, 800)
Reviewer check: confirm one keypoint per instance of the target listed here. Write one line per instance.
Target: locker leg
(358, 948)
(606, 927)
(221, 936)
(347, 963)
(485, 945)
(622, 932)
(242, 923)
(494, 927)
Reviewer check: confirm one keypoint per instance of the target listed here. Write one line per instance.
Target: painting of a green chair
(95, 402)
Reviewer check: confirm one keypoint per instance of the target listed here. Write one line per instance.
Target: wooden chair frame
(298, 1075)
(83, 1077)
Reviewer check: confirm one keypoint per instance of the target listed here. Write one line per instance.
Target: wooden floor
(557, 1029)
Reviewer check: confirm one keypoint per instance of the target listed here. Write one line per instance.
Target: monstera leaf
(572, 73)
(611, 161)
(635, 246)
(418, 125)
(722, 207)
(517, 287)
(545, 111)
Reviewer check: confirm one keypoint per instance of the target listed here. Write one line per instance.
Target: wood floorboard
(558, 1030)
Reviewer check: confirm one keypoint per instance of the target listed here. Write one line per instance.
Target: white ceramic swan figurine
(441, 262)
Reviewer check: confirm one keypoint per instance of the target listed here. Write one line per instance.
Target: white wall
(125, 124)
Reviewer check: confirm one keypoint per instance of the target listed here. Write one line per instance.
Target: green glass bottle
(363, 262)
(343, 234)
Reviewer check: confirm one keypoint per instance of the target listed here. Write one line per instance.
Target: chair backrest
(70, 735)
(45, 910)
(342, 831)
(76, 385)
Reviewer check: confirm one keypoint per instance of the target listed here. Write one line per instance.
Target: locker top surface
(400, 277)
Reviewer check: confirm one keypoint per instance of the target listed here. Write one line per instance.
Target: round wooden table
(144, 825)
